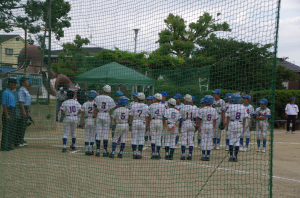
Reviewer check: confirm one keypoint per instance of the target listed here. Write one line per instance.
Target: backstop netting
(67, 132)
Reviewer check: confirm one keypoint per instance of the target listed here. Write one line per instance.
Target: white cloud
(290, 4)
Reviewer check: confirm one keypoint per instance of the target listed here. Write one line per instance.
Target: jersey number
(122, 116)
(208, 117)
(238, 115)
(157, 112)
(103, 105)
(90, 110)
(72, 109)
(187, 115)
(140, 112)
(173, 115)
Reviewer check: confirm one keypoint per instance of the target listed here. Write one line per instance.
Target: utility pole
(135, 38)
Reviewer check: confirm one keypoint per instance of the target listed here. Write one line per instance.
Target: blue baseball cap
(217, 91)
(263, 101)
(118, 93)
(135, 93)
(202, 100)
(293, 98)
(164, 93)
(150, 98)
(228, 95)
(193, 98)
(247, 97)
(178, 96)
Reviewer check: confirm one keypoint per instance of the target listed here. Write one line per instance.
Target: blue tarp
(7, 69)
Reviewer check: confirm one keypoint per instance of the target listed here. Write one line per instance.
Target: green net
(67, 132)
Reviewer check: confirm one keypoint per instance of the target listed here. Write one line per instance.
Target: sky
(109, 24)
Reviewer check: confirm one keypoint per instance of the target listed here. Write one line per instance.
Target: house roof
(5, 37)
(289, 65)
(85, 49)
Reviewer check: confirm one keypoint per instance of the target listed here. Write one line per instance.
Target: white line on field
(74, 151)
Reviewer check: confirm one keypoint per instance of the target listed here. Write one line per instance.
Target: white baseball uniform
(227, 134)
(262, 133)
(165, 103)
(71, 108)
(250, 110)
(139, 112)
(207, 115)
(172, 116)
(90, 128)
(189, 114)
(156, 113)
(121, 115)
(219, 107)
(236, 113)
(104, 104)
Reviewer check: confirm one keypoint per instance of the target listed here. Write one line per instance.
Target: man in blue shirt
(9, 116)
(23, 102)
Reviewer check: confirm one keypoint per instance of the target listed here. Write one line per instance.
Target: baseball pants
(90, 132)
(261, 133)
(102, 128)
(206, 140)
(289, 119)
(8, 130)
(156, 131)
(138, 132)
(170, 137)
(70, 126)
(187, 133)
(121, 131)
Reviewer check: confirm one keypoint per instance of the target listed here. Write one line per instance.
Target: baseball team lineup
(162, 120)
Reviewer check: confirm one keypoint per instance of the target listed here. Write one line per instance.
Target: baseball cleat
(167, 157)
(245, 149)
(170, 157)
(189, 157)
(105, 154)
(134, 157)
(231, 159)
(182, 157)
(87, 153)
(207, 159)
(92, 152)
(153, 156)
(293, 132)
(235, 159)
(120, 155)
(203, 158)
(139, 157)
(64, 150)
(158, 157)
(97, 154)
(73, 147)
(263, 150)
(199, 146)
(287, 132)
(112, 155)
(258, 149)
(227, 148)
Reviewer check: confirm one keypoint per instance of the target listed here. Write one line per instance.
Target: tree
(71, 60)
(179, 41)
(284, 75)
(34, 17)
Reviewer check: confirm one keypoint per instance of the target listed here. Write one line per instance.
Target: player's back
(207, 115)
(188, 112)
(172, 115)
(121, 115)
(104, 103)
(71, 108)
(139, 111)
(236, 112)
(88, 108)
(219, 105)
(157, 111)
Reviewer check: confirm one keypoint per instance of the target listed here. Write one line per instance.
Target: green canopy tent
(114, 74)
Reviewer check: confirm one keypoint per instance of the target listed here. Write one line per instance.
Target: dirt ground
(42, 170)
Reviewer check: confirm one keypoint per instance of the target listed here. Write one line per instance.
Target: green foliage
(179, 41)
(284, 75)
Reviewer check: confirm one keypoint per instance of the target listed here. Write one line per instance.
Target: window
(9, 51)
(17, 39)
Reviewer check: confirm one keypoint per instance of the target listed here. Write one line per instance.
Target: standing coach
(23, 101)
(9, 116)
(291, 113)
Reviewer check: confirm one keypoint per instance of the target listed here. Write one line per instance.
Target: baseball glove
(221, 126)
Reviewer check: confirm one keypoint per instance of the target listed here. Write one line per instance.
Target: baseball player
(138, 118)
(147, 134)
(120, 117)
(164, 97)
(207, 117)
(172, 120)
(199, 134)
(104, 105)
(219, 106)
(236, 120)
(262, 115)
(135, 99)
(250, 110)
(189, 115)
(227, 135)
(70, 108)
(156, 113)
(118, 94)
(89, 122)
(178, 106)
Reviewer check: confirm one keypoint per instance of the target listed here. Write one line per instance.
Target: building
(10, 47)
(288, 65)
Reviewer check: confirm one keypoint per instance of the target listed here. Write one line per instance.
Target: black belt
(103, 111)
(234, 120)
(156, 118)
(71, 115)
